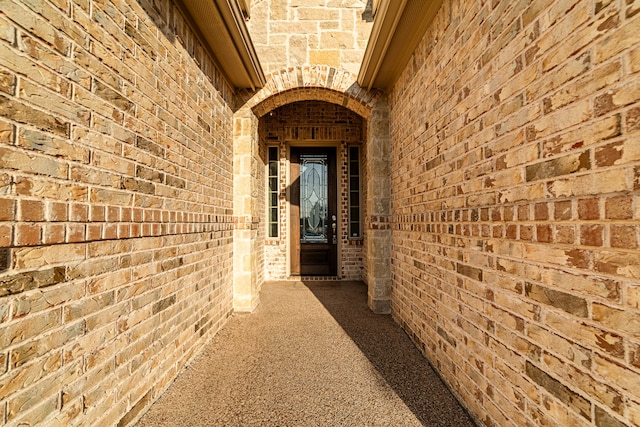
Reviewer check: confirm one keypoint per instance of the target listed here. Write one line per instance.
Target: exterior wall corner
(247, 210)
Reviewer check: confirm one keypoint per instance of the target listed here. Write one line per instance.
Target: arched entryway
(315, 197)
(272, 122)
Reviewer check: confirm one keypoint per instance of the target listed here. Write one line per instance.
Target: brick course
(115, 207)
(515, 215)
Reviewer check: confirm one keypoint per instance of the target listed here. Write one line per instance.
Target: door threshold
(313, 278)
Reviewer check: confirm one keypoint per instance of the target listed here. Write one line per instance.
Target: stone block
(39, 27)
(575, 139)
(298, 47)
(277, 11)
(596, 183)
(35, 416)
(618, 263)
(22, 113)
(591, 337)
(324, 56)
(616, 98)
(31, 350)
(322, 14)
(600, 78)
(30, 327)
(7, 82)
(336, 40)
(625, 378)
(7, 31)
(572, 399)
(21, 282)
(627, 35)
(20, 379)
(469, 271)
(617, 319)
(603, 418)
(567, 302)
(7, 209)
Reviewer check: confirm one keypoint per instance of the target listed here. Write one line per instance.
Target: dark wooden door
(313, 211)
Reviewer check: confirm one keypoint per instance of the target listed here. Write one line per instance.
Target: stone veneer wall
(310, 32)
(309, 123)
(516, 208)
(115, 207)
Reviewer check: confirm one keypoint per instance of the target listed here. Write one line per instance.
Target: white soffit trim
(222, 27)
(388, 14)
(398, 27)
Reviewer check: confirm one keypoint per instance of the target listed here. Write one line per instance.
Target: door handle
(334, 226)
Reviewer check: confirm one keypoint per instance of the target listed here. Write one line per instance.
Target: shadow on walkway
(311, 355)
(392, 353)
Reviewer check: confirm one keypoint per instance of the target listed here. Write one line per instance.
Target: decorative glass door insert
(313, 198)
(313, 204)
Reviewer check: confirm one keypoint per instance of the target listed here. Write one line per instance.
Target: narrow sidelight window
(273, 184)
(354, 192)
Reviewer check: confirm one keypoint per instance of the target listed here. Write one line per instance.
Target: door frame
(293, 230)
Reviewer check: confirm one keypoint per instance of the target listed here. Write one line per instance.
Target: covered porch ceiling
(398, 27)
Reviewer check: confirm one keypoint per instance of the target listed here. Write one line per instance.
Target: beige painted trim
(387, 16)
(398, 27)
(267, 195)
(222, 25)
(245, 6)
(287, 208)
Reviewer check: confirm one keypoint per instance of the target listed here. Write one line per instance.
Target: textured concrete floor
(310, 355)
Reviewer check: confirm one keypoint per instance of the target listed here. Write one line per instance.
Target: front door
(313, 211)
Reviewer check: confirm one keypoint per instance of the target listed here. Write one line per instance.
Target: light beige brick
(38, 26)
(626, 36)
(596, 183)
(627, 379)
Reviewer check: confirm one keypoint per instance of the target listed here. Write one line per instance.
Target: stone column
(245, 187)
(378, 204)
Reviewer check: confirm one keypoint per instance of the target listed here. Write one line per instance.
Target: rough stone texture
(290, 33)
(116, 220)
(315, 82)
(378, 208)
(248, 194)
(311, 354)
(515, 216)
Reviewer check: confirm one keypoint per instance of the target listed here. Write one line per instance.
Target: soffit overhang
(222, 27)
(398, 27)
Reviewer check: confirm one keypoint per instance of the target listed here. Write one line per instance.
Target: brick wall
(310, 123)
(115, 207)
(516, 208)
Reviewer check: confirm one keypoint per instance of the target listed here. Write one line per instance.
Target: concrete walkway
(312, 354)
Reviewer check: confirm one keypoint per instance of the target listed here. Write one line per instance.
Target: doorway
(313, 211)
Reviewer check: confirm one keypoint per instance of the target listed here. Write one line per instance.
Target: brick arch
(316, 82)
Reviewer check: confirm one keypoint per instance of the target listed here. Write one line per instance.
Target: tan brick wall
(310, 123)
(115, 207)
(310, 32)
(516, 208)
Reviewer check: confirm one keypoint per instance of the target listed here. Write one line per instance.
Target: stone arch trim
(315, 82)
